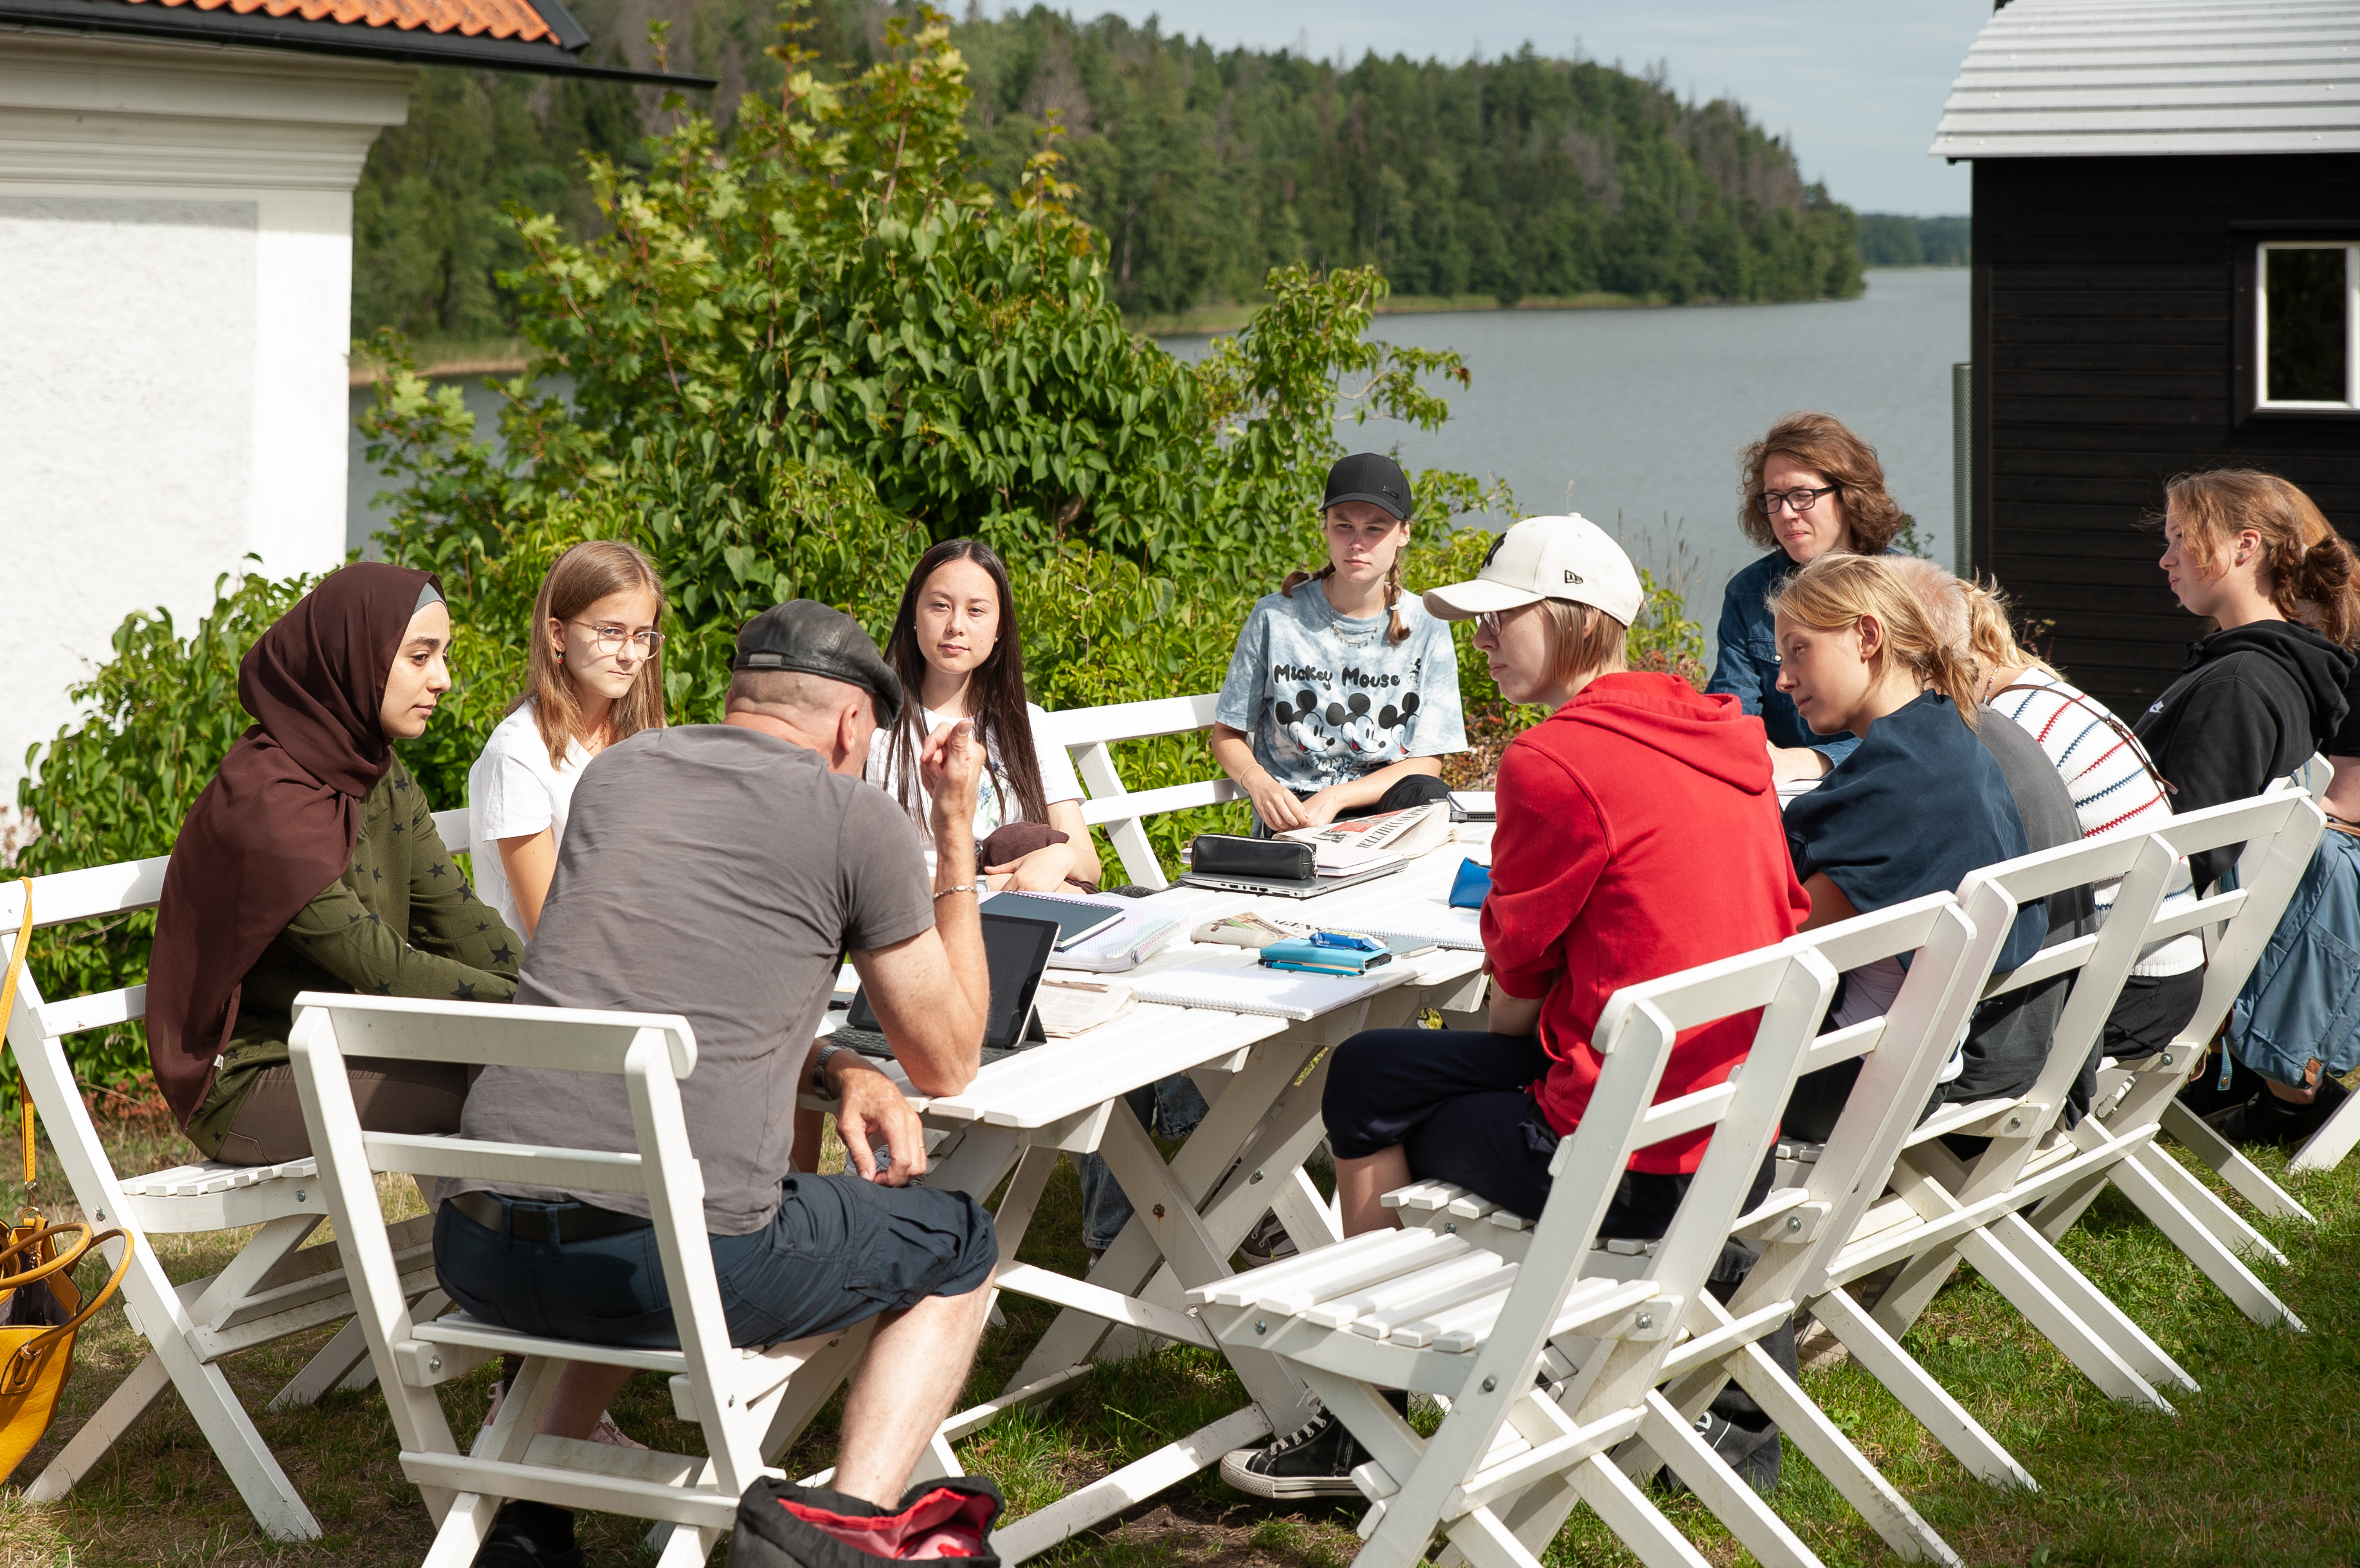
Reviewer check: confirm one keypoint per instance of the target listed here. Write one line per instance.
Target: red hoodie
(1638, 835)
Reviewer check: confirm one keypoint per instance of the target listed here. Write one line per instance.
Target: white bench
(1089, 734)
(275, 1287)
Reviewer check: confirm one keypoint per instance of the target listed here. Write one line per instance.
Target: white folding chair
(273, 1288)
(1943, 1209)
(1550, 1362)
(733, 1394)
(1901, 1053)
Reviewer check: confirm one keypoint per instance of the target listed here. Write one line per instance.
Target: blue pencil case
(1469, 887)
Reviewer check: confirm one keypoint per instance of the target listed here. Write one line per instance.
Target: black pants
(1410, 790)
(1460, 1103)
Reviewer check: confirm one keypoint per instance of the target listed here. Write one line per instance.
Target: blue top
(1913, 810)
(1747, 664)
(1327, 698)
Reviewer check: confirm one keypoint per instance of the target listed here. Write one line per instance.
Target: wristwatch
(819, 1069)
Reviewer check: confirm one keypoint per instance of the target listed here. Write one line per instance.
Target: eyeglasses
(1489, 622)
(1797, 501)
(610, 639)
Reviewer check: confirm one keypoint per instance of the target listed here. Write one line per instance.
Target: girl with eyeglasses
(1812, 488)
(596, 676)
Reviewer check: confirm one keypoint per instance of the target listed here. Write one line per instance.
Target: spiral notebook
(1268, 993)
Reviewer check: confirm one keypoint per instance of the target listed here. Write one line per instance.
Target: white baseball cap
(1545, 557)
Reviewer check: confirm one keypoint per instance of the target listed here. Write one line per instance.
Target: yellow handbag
(40, 1306)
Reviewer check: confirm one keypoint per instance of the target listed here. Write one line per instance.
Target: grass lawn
(2257, 1468)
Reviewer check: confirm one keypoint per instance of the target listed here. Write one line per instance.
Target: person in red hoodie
(1636, 791)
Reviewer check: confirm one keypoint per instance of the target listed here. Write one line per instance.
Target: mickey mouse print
(1327, 698)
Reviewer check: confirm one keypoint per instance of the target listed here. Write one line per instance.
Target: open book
(1363, 844)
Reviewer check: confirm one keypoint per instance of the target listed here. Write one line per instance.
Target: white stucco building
(175, 289)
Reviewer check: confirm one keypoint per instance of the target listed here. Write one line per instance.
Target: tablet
(1015, 951)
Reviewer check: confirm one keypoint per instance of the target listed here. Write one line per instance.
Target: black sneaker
(531, 1535)
(1266, 1243)
(1315, 1460)
(2266, 1118)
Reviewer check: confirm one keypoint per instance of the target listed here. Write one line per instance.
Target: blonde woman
(1914, 808)
(596, 676)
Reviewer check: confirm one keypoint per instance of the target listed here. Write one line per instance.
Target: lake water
(1634, 417)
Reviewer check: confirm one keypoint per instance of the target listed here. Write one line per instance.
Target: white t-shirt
(512, 792)
(996, 803)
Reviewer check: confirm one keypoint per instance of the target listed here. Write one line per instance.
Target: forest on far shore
(1522, 178)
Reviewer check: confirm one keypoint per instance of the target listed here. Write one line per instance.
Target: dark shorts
(839, 1251)
(1459, 1104)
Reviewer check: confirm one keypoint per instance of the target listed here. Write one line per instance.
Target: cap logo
(1492, 554)
(1573, 577)
(761, 661)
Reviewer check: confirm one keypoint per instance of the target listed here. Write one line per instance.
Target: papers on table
(1364, 844)
(1068, 1007)
(1269, 993)
(1136, 931)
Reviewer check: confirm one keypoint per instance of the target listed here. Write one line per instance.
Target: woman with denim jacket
(1811, 486)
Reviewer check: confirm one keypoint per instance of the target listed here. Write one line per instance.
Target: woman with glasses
(1811, 486)
(596, 676)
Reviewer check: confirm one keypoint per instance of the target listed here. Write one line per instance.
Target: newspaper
(1365, 843)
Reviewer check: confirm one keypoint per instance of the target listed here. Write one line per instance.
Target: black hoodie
(2252, 705)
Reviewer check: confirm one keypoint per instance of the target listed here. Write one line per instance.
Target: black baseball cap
(808, 636)
(1373, 477)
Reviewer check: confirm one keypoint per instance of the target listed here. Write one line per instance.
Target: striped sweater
(2112, 783)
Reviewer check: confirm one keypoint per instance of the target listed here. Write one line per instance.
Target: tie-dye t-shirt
(1327, 698)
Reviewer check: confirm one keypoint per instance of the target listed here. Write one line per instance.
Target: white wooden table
(1263, 1078)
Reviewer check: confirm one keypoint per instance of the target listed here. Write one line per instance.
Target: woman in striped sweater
(2114, 784)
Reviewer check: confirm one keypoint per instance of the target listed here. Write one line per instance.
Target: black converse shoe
(1315, 1460)
(530, 1535)
(2266, 1118)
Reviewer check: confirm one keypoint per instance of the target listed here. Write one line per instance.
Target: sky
(1858, 83)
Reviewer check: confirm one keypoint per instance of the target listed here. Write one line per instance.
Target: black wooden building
(2167, 277)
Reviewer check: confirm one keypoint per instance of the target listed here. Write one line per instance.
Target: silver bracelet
(975, 888)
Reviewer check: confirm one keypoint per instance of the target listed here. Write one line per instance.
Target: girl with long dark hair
(596, 676)
(956, 649)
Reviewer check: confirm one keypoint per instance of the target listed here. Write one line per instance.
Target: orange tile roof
(473, 18)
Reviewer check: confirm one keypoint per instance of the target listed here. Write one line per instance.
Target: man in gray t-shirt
(719, 871)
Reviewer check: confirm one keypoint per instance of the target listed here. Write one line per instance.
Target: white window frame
(2262, 400)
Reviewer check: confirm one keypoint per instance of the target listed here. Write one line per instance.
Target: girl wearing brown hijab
(311, 863)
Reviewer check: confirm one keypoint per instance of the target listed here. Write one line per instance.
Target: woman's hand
(1797, 762)
(1277, 807)
(1321, 808)
(1043, 871)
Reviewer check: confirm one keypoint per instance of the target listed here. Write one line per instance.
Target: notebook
(1473, 805)
(1421, 921)
(1267, 992)
(1078, 920)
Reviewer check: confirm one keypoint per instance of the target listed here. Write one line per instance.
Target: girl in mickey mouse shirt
(1340, 696)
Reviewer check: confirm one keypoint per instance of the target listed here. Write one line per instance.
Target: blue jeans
(838, 1251)
(1169, 1107)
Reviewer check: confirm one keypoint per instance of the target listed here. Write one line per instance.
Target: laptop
(1285, 887)
(1015, 953)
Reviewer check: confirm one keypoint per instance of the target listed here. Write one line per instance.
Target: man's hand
(871, 1112)
(950, 765)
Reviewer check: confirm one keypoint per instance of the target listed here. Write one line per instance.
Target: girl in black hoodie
(2265, 690)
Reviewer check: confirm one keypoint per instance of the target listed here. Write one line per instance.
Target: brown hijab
(279, 820)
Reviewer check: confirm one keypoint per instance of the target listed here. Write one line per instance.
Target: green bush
(795, 366)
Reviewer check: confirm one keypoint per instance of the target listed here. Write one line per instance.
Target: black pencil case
(1231, 854)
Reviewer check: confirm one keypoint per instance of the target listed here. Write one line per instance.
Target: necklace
(1350, 639)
